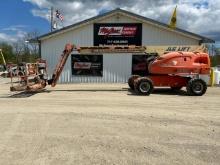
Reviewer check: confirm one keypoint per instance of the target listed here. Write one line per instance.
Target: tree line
(22, 50)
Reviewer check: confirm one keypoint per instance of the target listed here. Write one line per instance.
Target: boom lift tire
(131, 81)
(143, 86)
(196, 87)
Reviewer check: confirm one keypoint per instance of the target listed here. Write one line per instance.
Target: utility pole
(51, 19)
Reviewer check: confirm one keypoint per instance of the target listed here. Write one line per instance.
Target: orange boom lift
(174, 69)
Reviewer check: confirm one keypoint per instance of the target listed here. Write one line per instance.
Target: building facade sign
(118, 34)
(87, 65)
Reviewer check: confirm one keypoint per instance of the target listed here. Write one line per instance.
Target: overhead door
(116, 67)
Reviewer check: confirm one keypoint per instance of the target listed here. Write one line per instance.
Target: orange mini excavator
(173, 69)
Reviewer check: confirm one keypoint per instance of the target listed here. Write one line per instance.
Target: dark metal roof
(203, 39)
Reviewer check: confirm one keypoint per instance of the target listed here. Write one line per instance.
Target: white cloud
(75, 5)
(14, 28)
(41, 13)
(39, 3)
(13, 33)
(197, 16)
(7, 38)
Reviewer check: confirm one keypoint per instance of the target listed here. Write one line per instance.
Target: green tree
(26, 50)
(215, 60)
(8, 53)
(217, 50)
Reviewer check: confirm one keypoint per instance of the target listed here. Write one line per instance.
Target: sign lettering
(181, 49)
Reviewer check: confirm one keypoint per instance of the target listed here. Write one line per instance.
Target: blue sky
(22, 16)
(17, 19)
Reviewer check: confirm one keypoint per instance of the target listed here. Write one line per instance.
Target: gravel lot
(108, 124)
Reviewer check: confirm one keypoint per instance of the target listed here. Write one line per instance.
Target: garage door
(116, 67)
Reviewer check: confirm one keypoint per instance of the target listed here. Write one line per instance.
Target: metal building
(118, 27)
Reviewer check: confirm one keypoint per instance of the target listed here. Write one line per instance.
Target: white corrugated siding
(158, 36)
(116, 67)
(52, 48)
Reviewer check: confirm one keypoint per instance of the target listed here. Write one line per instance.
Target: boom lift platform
(175, 67)
(30, 77)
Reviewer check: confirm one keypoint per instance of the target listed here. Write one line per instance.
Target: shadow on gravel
(24, 94)
(89, 90)
(159, 91)
(162, 91)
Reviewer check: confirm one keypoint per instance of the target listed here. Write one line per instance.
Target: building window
(87, 65)
(140, 63)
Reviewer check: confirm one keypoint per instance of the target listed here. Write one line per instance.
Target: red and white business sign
(82, 65)
(117, 31)
(117, 34)
(87, 65)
